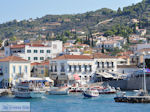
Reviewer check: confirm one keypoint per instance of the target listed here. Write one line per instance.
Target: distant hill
(100, 20)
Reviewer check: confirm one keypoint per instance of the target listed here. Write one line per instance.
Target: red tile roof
(13, 58)
(41, 63)
(17, 46)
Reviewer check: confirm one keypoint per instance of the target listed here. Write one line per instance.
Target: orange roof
(123, 57)
(125, 53)
(12, 58)
(72, 57)
(42, 63)
(17, 46)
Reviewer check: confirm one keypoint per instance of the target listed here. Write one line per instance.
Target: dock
(133, 99)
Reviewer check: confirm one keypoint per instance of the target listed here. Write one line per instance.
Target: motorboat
(76, 89)
(91, 92)
(107, 90)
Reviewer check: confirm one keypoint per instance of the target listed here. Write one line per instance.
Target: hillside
(100, 20)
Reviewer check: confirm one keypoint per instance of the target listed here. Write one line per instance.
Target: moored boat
(26, 91)
(107, 90)
(91, 92)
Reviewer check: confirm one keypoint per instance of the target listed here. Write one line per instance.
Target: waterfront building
(35, 52)
(63, 68)
(40, 69)
(12, 68)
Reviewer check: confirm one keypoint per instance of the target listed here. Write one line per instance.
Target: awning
(105, 75)
(76, 77)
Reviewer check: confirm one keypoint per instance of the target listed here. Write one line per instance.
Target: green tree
(119, 11)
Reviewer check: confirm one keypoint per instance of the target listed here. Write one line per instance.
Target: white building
(12, 68)
(63, 68)
(35, 52)
(109, 44)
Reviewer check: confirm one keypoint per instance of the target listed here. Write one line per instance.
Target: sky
(25, 9)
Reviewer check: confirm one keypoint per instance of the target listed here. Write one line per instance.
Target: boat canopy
(35, 79)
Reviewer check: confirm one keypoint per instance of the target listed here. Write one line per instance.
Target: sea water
(77, 103)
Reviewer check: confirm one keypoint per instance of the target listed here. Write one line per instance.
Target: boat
(76, 89)
(58, 91)
(107, 90)
(91, 92)
(141, 96)
(27, 90)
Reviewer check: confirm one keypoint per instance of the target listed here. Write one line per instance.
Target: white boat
(107, 90)
(27, 91)
(91, 92)
(58, 91)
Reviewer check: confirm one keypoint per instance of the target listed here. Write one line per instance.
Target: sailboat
(141, 97)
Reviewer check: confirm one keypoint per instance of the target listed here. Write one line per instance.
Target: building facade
(35, 52)
(63, 68)
(12, 68)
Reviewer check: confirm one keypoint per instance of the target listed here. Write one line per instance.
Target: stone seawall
(132, 84)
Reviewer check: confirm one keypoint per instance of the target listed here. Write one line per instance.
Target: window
(98, 64)
(35, 51)
(51, 69)
(29, 58)
(62, 68)
(112, 63)
(28, 51)
(75, 68)
(79, 68)
(42, 71)
(19, 69)
(41, 51)
(41, 58)
(26, 69)
(35, 58)
(85, 68)
(69, 68)
(14, 69)
(90, 66)
(55, 68)
(102, 64)
(48, 51)
(107, 64)
(6, 70)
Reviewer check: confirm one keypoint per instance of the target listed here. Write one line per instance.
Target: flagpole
(144, 78)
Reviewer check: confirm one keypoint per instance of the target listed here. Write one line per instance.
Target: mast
(144, 78)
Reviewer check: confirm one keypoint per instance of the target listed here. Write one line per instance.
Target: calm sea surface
(77, 103)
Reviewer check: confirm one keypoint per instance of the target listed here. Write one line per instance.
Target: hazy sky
(25, 9)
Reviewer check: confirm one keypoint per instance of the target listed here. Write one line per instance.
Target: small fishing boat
(91, 92)
(107, 90)
(58, 91)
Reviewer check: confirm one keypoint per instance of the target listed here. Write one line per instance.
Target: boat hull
(58, 92)
(89, 96)
(29, 94)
